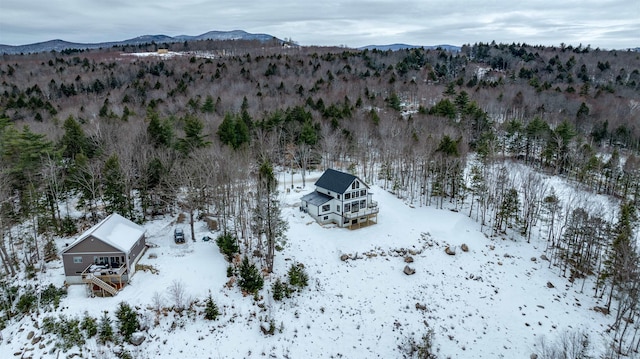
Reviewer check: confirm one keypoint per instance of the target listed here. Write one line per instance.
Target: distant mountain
(396, 47)
(60, 45)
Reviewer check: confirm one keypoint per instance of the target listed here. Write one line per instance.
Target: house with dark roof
(341, 198)
(104, 257)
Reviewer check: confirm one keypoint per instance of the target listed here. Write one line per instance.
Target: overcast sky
(608, 24)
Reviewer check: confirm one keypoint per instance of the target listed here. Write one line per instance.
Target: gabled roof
(336, 181)
(316, 198)
(115, 231)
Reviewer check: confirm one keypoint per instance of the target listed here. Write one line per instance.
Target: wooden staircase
(89, 278)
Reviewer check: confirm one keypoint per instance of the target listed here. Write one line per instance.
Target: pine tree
(208, 106)
(211, 311)
(127, 320)
(74, 141)
(160, 132)
(105, 330)
(114, 188)
(250, 279)
(621, 264)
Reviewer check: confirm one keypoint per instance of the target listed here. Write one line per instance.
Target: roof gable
(336, 181)
(115, 231)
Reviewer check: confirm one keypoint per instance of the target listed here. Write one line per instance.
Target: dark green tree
(105, 329)
(193, 137)
(228, 245)
(114, 188)
(208, 106)
(621, 264)
(74, 141)
(160, 131)
(250, 279)
(211, 311)
(127, 320)
(393, 101)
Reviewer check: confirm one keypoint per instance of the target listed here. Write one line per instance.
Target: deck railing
(372, 208)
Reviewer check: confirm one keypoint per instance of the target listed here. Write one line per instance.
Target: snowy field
(494, 301)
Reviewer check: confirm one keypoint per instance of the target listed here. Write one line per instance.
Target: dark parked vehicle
(178, 235)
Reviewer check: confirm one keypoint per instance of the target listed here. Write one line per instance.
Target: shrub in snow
(27, 301)
(298, 276)
(68, 226)
(422, 349)
(67, 331)
(228, 245)
(127, 320)
(90, 325)
(211, 311)
(105, 330)
(230, 271)
(280, 290)
(250, 279)
(52, 295)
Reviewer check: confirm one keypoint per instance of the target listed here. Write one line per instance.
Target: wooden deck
(104, 280)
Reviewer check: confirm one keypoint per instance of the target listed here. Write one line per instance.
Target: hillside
(492, 301)
(534, 150)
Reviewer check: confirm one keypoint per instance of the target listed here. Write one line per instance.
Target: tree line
(102, 131)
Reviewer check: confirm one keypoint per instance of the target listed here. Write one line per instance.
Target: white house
(341, 198)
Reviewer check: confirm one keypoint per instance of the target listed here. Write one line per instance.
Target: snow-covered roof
(115, 231)
(335, 181)
(316, 198)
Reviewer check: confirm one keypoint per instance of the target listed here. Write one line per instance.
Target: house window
(347, 207)
(347, 196)
(338, 196)
(326, 208)
(363, 192)
(354, 207)
(338, 209)
(355, 194)
(353, 185)
(326, 218)
(77, 259)
(363, 203)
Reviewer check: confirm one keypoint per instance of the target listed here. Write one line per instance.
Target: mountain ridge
(61, 45)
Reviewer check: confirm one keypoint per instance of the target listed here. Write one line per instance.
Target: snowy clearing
(493, 301)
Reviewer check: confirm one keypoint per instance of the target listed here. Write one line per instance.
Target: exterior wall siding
(74, 269)
(91, 247)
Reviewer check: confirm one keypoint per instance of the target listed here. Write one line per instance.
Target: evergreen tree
(621, 264)
(393, 101)
(194, 138)
(298, 277)
(74, 140)
(250, 279)
(228, 245)
(211, 311)
(233, 131)
(208, 106)
(160, 132)
(105, 330)
(114, 188)
(127, 320)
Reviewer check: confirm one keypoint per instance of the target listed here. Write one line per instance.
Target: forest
(206, 129)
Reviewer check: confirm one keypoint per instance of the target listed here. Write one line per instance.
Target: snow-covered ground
(493, 301)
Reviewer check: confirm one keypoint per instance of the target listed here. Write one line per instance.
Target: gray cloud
(605, 24)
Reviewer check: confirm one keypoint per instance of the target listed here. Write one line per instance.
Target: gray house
(104, 257)
(341, 198)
